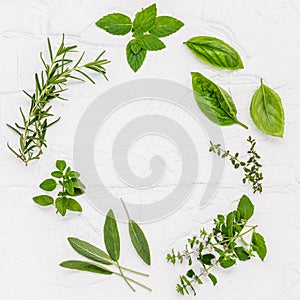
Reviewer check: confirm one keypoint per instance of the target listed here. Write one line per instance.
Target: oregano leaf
(73, 205)
(61, 165)
(48, 185)
(43, 200)
(259, 245)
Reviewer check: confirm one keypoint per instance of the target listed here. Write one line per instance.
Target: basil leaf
(43, 200)
(111, 236)
(216, 104)
(213, 279)
(245, 208)
(267, 112)
(165, 25)
(139, 242)
(61, 205)
(48, 185)
(145, 19)
(135, 61)
(73, 205)
(241, 253)
(151, 42)
(215, 52)
(90, 251)
(61, 165)
(259, 245)
(85, 266)
(116, 24)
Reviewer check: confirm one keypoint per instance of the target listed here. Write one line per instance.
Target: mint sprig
(146, 28)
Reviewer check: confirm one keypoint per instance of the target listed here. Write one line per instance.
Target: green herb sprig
(223, 246)
(146, 28)
(251, 167)
(48, 86)
(70, 186)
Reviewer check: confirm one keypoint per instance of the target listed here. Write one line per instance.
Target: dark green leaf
(43, 200)
(111, 236)
(139, 242)
(61, 165)
(78, 192)
(135, 61)
(85, 266)
(61, 205)
(216, 104)
(206, 258)
(48, 185)
(245, 208)
(57, 174)
(77, 183)
(145, 19)
(226, 262)
(241, 253)
(73, 205)
(90, 251)
(267, 112)
(215, 52)
(165, 26)
(213, 279)
(117, 24)
(259, 245)
(151, 42)
(190, 273)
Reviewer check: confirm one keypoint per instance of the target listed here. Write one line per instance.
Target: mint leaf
(43, 200)
(61, 165)
(259, 245)
(241, 253)
(73, 205)
(135, 61)
(165, 25)
(60, 204)
(136, 46)
(145, 19)
(48, 185)
(245, 208)
(116, 24)
(213, 279)
(151, 42)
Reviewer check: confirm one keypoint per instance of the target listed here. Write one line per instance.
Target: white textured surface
(33, 240)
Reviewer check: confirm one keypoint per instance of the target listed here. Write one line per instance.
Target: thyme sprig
(48, 86)
(251, 167)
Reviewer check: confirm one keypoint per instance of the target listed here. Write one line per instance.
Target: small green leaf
(48, 185)
(85, 266)
(61, 165)
(226, 262)
(136, 46)
(77, 183)
(245, 208)
(57, 174)
(229, 223)
(190, 273)
(241, 253)
(74, 174)
(165, 26)
(207, 258)
(60, 204)
(43, 200)
(111, 236)
(69, 186)
(73, 205)
(139, 242)
(213, 279)
(78, 192)
(145, 19)
(259, 245)
(151, 42)
(135, 61)
(116, 24)
(90, 251)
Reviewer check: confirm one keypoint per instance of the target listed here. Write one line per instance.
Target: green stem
(133, 271)
(125, 278)
(125, 208)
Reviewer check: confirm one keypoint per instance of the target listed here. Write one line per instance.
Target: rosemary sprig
(252, 173)
(48, 86)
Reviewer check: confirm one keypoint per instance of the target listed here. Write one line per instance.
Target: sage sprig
(251, 167)
(230, 240)
(70, 186)
(49, 85)
(267, 112)
(146, 28)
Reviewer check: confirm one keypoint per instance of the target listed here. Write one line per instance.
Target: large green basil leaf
(214, 102)
(267, 112)
(215, 52)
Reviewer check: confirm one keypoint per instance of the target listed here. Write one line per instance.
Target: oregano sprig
(251, 167)
(49, 85)
(70, 186)
(230, 240)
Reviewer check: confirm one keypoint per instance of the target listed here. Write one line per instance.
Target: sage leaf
(111, 236)
(213, 279)
(90, 251)
(43, 200)
(165, 25)
(61, 205)
(215, 103)
(135, 61)
(139, 242)
(267, 112)
(145, 19)
(241, 253)
(151, 42)
(61, 165)
(48, 185)
(215, 52)
(116, 24)
(245, 208)
(73, 205)
(259, 245)
(85, 266)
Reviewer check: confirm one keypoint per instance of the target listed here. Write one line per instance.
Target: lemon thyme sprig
(48, 86)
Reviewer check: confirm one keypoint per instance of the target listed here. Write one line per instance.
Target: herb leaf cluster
(70, 186)
(251, 167)
(230, 240)
(147, 28)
